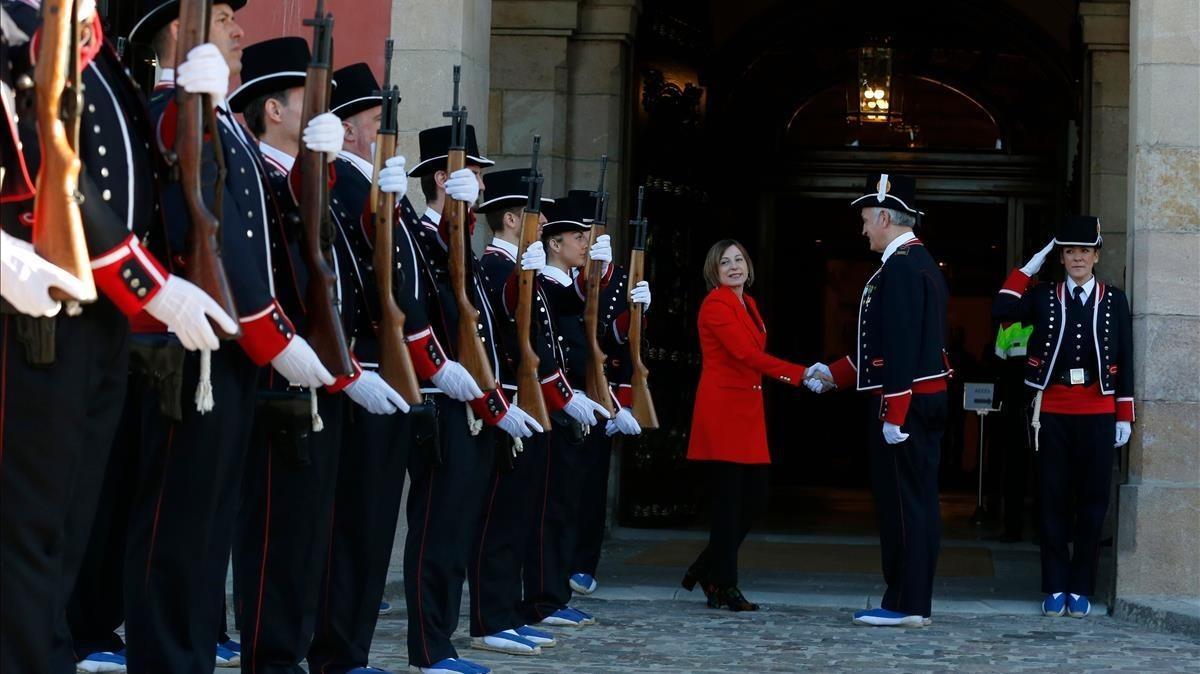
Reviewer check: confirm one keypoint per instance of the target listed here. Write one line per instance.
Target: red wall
(359, 26)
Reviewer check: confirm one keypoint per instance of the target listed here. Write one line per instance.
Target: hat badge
(882, 187)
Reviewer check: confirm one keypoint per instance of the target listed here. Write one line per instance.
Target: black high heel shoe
(691, 578)
(731, 598)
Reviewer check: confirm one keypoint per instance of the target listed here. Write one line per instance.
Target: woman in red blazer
(729, 432)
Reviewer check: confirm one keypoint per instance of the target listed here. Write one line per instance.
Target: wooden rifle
(596, 380)
(643, 404)
(529, 387)
(57, 224)
(325, 332)
(471, 354)
(395, 363)
(196, 118)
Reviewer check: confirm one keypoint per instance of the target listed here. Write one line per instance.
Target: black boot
(731, 598)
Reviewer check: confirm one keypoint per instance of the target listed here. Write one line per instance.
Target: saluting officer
(901, 360)
(1080, 363)
(449, 484)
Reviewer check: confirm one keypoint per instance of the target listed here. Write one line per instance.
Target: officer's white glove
(623, 423)
(518, 424)
(818, 378)
(892, 434)
(1124, 430)
(299, 364)
(454, 380)
(374, 395)
(640, 293)
(185, 309)
(534, 257)
(601, 249)
(393, 179)
(1039, 258)
(463, 185)
(583, 409)
(204, 72)
(27, 278)
(325, 133)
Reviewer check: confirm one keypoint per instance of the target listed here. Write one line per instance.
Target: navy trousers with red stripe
(445, 503)
(181, 522)
(284, 527)
(56, 424)
(370, 482)
(904, 479)
(495, 569)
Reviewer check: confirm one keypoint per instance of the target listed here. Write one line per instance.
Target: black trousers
(1075, 458)
(593, 502)
(904, 479)
(181, 523)
(284, 525)
(445, 502)
(495, 568)
(370, 482)
(739, 497)
(553, 528)
(56, 427)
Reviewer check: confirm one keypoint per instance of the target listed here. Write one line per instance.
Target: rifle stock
(596, 381)
(529, 388)
(202, 257)
(643, 403)
(325, 332)
(57, 224)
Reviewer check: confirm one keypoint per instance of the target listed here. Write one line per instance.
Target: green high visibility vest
(1013, 340)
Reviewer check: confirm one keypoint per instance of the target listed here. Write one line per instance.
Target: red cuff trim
(266, 333)
(167, 125)
(426, 353)
(491, 407)
(624, 395)
(556, 391)
(845, 375)
(128, 276)
(893, 407)
(344, 380)
(1016, 283)
(1125, 410)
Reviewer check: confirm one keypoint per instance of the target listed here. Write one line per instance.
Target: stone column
(1158, 549)
(1106, 39)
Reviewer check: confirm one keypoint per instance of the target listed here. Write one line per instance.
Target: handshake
(818, 378)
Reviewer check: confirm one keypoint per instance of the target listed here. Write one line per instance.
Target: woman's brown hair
(712, 263)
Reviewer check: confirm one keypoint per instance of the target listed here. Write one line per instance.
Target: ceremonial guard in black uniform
(901, 361)
(1080, 363)
(73, 368)
(449, 482)
(288, 493)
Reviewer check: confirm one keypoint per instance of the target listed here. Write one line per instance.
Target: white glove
(601, 249)
(534, 257)
(623, 423)
(299, 364)
(640, 293)
(518, 424)
(185, 309)
(27, 278)
(583, 409)
(374, 395)
(463, 185)
(815, 383)
(892, 434)
(325, 133)
(1039, 258)
(1124, 430)
(454, 380)
(392, 177)
(204, 72)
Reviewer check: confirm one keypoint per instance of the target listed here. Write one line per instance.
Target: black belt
(1064, 377)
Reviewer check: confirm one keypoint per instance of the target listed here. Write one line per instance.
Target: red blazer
(728, 423)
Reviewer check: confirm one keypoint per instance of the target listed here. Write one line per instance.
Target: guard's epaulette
(902, 250)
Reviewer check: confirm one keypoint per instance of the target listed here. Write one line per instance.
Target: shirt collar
(1088, 287)
(505, 246)
(896, 243)
(359, 163)
(276, 155)
(557, 275)
(433, 215)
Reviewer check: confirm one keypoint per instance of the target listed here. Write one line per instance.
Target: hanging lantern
(874, 86)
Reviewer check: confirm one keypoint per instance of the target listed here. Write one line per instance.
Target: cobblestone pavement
(686, 636)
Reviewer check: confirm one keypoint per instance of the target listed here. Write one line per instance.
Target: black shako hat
(884, 190)
(356, 90)
(1079, 230)
(573, 212)
(157, 13)
(269, 66)
(506, 189)
(435, 145)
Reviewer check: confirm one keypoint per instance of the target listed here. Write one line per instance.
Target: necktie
(1078, 293)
